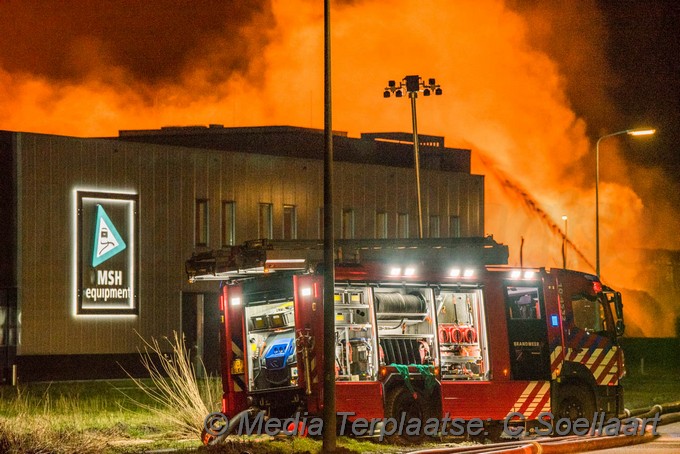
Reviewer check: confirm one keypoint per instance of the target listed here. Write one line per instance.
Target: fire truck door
(527, 332)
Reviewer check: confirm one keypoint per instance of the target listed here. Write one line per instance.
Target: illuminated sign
(106, 253)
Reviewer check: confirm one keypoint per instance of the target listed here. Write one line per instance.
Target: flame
(505, 76)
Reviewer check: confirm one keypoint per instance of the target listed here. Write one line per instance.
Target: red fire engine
(425, 328)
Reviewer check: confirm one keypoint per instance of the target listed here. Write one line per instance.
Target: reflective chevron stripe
(602, 363)
(556, 359)
(534, 399)
(312, 367)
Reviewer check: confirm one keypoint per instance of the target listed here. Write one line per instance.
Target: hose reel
(397, 306)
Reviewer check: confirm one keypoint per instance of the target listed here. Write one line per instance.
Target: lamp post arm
(618, 133)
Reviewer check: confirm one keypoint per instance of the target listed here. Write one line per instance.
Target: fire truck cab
(420, 331)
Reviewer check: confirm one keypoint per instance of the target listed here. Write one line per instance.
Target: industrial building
(95, 232)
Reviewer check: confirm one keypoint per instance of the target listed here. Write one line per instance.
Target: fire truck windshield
(592, 314)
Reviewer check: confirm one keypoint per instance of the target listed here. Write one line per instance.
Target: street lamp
(631, 132)
(564, 243)
(413, 85)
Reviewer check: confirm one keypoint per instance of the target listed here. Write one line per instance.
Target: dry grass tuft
(30, 434)
(178, 397)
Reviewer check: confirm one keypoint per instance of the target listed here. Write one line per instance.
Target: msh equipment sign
(106, 253)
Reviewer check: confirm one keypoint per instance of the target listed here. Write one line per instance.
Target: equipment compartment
(461, 334)
(271, 345)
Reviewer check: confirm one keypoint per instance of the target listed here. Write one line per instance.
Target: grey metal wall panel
(168, 180)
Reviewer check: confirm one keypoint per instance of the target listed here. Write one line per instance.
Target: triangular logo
(107, 240)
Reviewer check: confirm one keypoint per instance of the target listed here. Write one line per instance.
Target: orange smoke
(504, 96)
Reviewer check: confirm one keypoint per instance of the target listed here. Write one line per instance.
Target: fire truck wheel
(574, 402)
(401, 401)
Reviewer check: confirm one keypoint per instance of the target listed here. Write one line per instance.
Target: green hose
(425, 370)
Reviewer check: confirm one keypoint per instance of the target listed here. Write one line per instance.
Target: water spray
(513, 187)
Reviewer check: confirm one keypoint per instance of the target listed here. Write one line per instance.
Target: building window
(228, 223)
(381, 224)
(348, 223)
(434, 227)
(264, 225)
(201, 233)
(289, 222)
(402, 225)
(454, 226)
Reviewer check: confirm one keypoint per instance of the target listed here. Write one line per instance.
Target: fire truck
(424, 328)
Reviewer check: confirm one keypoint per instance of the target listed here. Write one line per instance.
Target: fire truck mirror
(620, 327)
(618, 305)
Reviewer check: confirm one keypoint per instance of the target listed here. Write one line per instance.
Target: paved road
(667, 442)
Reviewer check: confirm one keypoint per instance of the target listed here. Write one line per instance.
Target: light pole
(329, 416)
(631, 132)
(413, 85)
(564, 243)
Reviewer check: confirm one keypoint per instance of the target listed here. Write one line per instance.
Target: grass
(114, 416)
(131, 416)
(72, 417)
(656, 386)
(652, 371)
(118, 417)
(106, 417)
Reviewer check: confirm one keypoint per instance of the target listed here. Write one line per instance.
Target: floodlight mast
(413, 85)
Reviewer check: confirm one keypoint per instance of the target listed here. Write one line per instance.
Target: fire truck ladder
(264, 255)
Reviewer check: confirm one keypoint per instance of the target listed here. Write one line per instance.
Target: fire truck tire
(401, 400)
(575, 402)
